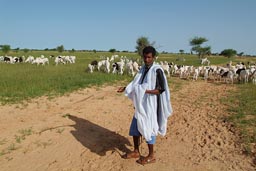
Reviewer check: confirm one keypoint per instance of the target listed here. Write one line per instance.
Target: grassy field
(195, 61)
(24, 81)
(242, 106)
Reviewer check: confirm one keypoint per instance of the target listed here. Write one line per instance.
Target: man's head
(149, 54)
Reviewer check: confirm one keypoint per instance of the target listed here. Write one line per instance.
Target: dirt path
(39, 136)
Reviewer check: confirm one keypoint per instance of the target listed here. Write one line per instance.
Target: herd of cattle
(42, 60)
(229, 73)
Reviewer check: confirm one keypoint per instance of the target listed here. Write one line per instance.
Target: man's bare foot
(146, 160)
(132, 154)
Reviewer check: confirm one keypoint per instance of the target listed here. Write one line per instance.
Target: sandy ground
(38, 136)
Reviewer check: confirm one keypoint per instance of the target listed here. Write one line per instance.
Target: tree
(6, 48)
(240, 54)
(181, 51)
(17, 49)
(228, 52)
(60, 48)
(142, 42)
(196, 43)
(94, 50)
(26, 50)
(72, 50)
(112, 50)
(203, 51)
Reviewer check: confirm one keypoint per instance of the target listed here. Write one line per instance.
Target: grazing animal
(94, 63)
(205, 61)
(228, 76)
(41, 60)
(58, 60)
(72, 59)
(90, 68)
(7, 59)
(15, 59)
(136, 66)
(196, 74)
(165, 67)
(1, 58)
(118, 67)
(253, 77)
(21, 59)
(30, 59)
(244, 76)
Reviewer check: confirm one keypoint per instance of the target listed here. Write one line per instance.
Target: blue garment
(135, 132)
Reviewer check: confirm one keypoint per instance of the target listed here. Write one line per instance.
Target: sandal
(131, 155)
(146, 160)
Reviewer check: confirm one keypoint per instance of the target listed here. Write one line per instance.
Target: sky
(106, 24)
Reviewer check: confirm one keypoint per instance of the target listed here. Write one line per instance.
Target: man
(151, 98)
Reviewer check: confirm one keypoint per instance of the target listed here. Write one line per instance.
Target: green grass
(195, 61)
(18, 138)
(26, 132)
(23, 134)
(242, 106)
(24, 81)
(21, 82)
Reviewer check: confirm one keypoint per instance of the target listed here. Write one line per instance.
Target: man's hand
(121, 89)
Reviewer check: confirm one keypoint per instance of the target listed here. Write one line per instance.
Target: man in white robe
(151, 98)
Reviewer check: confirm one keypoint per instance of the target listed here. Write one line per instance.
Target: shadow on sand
(97, 139)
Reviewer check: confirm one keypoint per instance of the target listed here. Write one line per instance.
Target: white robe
(146, 104)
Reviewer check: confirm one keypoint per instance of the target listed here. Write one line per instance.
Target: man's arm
(152, 91)
(159, 83)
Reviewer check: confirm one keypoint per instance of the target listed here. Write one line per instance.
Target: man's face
(148, 59)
